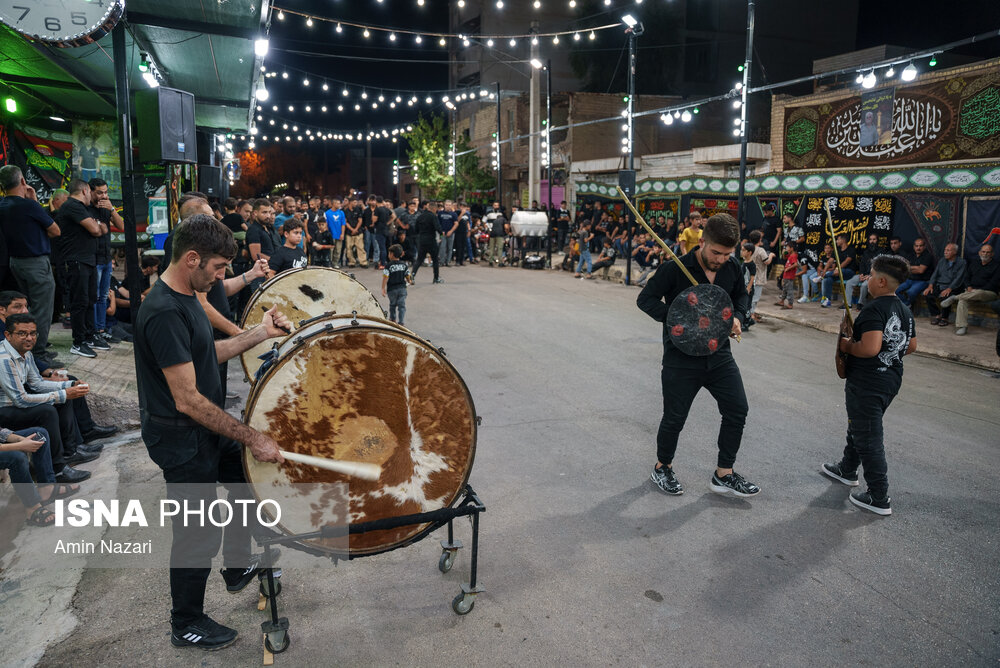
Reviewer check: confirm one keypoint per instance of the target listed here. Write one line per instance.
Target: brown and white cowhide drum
(301, 294)
(362, 390)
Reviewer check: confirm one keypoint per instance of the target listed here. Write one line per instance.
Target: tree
(430, 142)
(262, 168)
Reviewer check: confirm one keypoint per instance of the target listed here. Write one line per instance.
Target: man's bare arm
(182, 381)
(273, 325)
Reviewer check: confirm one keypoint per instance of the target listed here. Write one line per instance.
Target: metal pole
(368, 162)
(632, 37)
(748, 61)
(499, 194)
(533, 155)
(548, 149)
(123, 113)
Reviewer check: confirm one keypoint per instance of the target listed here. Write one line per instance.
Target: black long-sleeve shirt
(983, 276)
(428, 226)
(669, 281)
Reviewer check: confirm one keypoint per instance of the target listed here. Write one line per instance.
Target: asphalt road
(586, 563)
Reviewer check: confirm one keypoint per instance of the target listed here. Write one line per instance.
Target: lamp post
(741, 204)
(537, 64)
(633, 28)
(499, 197)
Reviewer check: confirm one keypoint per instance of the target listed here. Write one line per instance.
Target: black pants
(59, 420)
(601, 265)
(81, 413)
(934, 303)
(426, 246)
(461, 249)
(82, 281)
(561, 234)
(218, 460)
(721, 378)
(865, 447)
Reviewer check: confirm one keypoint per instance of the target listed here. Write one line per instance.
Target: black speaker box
(210, 180)
(165, 120)
(626, 180)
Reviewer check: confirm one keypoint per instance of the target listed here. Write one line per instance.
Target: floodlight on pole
(536, 63)
(260, 47)
(630, 21)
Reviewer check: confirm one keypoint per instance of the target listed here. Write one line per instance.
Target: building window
(733, 171)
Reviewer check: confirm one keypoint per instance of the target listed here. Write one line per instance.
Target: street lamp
(537, 64)
(633, 28)
(748, 60)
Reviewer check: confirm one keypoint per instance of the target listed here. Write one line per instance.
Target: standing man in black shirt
(449, 225)
(104, 211)
(562, 227)
(428, 227)
(235, 219)
(383, 216)
(684, 375)
(186, 432)
(262, 239)
(27, 228)
(80, 231)
(772, 231)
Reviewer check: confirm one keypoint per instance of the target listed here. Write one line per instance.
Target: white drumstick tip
(364, 470)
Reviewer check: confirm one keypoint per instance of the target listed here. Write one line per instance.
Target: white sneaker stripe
(196, 639)
(188, 636)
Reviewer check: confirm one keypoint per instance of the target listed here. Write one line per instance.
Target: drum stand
(469, 505)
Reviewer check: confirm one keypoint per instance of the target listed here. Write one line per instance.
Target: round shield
(700, 319)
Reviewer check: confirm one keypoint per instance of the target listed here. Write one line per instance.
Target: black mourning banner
(855, 216)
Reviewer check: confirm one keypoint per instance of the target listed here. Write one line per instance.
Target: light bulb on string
(489, 43)
(537, 4)
(686, 116)
(555, 39)
(576, 37)
(499, 4)
(323, 108)
(340, 28)
(366, 33)
(442, 41)
(418, 39)
(345, 92)
(305, 82)
(513, 42)
(392, 37)
(309, 22)
(909, 73)
(326, 86)
(340, 107)
(281, 15)
(284, 75)
(534, 41)
(592, 35)
(891, 72)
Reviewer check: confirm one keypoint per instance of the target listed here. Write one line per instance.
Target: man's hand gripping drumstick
(737, 329)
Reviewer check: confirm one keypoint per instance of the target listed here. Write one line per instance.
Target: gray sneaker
(666, 480)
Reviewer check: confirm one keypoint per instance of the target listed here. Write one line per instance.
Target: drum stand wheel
(275, 630)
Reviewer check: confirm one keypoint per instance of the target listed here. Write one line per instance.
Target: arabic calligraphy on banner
(856, 217)
(945, 120)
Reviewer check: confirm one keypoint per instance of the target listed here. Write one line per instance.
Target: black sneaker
(868, 502)
(109, 337)
(83, 350)
(97, 343)
(206, 634)
(238, 578)
(666, 480)
(438, 280)
(733, 483)
(839, 474)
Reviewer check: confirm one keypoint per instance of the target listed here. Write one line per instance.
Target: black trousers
(722, 379)
(426, 246)
(81, 412)
(82, 282)
(934, 303)
(59, 420)
(865, 446)
(217, 460)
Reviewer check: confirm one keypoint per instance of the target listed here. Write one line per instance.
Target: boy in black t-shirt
(289, 256)
(322, 243)
(883, 332)
(395, 276)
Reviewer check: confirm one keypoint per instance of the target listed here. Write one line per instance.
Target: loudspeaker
(210, 180)
(626, 180)
(165, 119)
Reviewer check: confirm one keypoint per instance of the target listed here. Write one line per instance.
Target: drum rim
(427, 528)
(255, 297)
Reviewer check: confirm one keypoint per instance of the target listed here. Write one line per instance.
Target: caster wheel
(264, 588)
(446, 561)
(280, 644)
(462, 604)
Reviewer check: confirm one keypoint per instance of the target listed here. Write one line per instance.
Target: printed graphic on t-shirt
(894, 342)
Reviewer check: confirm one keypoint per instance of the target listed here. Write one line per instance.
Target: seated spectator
(15, 449)
(149, 265)
(860, 279)
(13, 303)
(947, 279)
(606, 258)
(848, 262)
(29, 401)
(982, 281)
(808, 271)
(921, 268)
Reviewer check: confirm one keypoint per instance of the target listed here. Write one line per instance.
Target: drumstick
(657, 239)
(356, 469)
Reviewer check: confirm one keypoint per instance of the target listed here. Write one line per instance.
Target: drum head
(367, 394)
(301, 294)
(700, 319)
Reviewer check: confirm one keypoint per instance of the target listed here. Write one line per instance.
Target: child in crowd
(395, 276)
(749, 273)
(762, 259)
(584, 237)
(606, 258)
(322, 243)
(788, 275)
(289, 256)
(884, 331)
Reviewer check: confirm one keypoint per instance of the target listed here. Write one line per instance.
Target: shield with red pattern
(700, 319)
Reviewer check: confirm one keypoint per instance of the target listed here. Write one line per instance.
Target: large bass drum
(301, 294)
(366, 390)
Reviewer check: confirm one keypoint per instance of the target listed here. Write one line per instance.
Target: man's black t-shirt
(172, 328)
(233, 221)
(103, 241)
(23, 223)
(427, 226)
(463, 226)
(266, 237)
(562, 220)
(497, 229)
(285, 258)
(771, 227)
(76, 243)
(382, 217)
(849, 253)
(886, 314)
(925, 259)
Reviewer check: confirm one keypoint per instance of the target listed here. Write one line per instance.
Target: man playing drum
(186, 432)
(684, 375)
